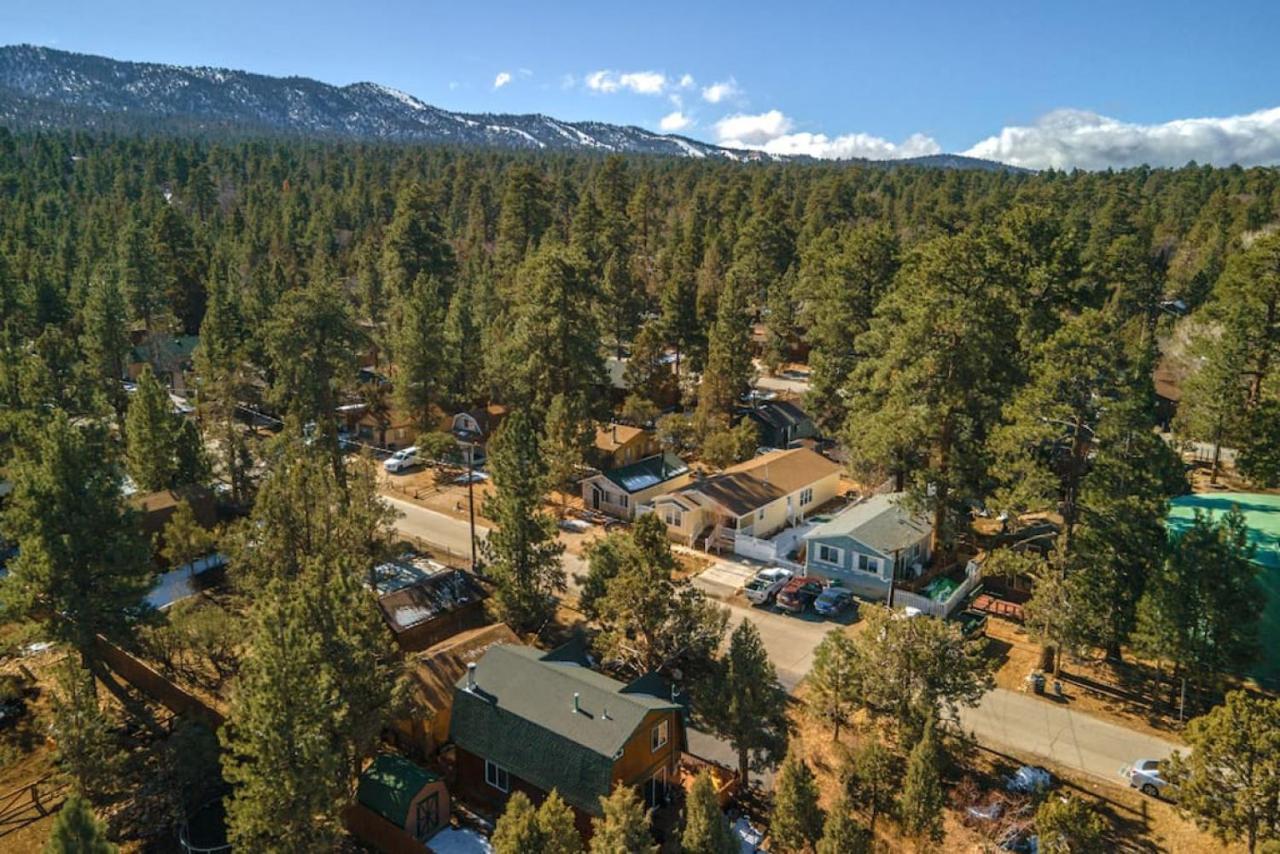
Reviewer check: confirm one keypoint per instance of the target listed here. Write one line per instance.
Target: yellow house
(756, 499)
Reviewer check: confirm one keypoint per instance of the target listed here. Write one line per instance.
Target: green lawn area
(1262, 514)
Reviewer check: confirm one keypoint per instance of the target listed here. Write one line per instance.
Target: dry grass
(1138, 823)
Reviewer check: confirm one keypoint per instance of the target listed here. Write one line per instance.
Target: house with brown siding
(533, 721)
(618, 445)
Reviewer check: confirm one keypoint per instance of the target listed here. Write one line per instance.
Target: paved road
(1003, 720)
(438, 529)
(789, 640)
(1039, 725)
(454, 535)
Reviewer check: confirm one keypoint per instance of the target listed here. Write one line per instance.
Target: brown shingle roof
(435, 671)
(750, 485)
(611, 437)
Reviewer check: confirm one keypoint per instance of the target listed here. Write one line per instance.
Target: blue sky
(1039, 83)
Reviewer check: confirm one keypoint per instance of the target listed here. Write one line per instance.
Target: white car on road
(1145, 776)
(402, 459)
(766, 584)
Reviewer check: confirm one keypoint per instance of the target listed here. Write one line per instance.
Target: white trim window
(867, 564)
(659, 735)
(806, 496)
(624, 500)
(673, 517)
(829, 554)
(495, 775)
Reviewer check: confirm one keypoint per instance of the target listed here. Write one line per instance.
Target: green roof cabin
(399, 805)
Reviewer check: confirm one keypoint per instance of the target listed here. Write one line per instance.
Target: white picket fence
(773, 550)
(940, 609)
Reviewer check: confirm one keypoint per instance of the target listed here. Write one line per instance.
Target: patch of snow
(506, 129)
(455, 841)
(403, 97)
(749, 838)
(691, 150)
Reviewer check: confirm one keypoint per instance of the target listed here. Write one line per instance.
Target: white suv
(402, 459)
(761, 589)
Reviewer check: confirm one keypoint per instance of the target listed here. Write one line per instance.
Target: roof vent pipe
(576, 697)
(471, 676)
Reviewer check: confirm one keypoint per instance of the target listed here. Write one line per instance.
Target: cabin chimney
(471, 676)
(576, 697)
(615, 432)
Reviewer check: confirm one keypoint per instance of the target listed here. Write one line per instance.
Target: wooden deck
(988, 604)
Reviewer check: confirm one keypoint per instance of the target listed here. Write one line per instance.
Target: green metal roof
(389, 785)
(521, 715)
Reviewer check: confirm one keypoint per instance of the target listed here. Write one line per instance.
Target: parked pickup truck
(765, 586)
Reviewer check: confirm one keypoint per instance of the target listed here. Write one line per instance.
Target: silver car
(1145, 776)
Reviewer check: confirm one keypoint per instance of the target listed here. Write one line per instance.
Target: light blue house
(868, 544)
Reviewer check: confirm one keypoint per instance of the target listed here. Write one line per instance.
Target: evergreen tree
(185, 539)
(923, 797)
(556, 829)
(841, 834)
(909, 670)
(830, 683)
(180, 266)
(796, 819)
(525, 215)
(1070, 826)
(77, 831)
(706, 830)
(553, 343)
(151, 430)
(138, 276)
(417, 345)
(106, 340)
(1200, 612)
(870, 779)
(729, 371)
(1229, 780)
(623, 828)
(1214, 396)
(82, 567)
(746, 704)
(522, 550)
(88, 747)
(922, 402)
(567, 438)
(517, 829)
(278, 750)
(414, 245)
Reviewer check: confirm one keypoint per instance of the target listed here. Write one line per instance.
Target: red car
(799, 594)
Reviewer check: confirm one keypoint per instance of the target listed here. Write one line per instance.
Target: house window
(829, 554)
(864, 563)
(673, 517)
(760, 513)
(496, 776)
(658, 736)
(623, 500)
(806, 496)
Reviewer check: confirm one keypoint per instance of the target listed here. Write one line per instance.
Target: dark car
(833, 601)
(799, 593)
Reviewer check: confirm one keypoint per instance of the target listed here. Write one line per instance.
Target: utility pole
(471, 500)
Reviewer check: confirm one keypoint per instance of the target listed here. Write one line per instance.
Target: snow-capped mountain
(43, 87)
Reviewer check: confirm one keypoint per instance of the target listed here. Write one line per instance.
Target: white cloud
(453, 85)
(638, 82)
(771, 132)
(526, 72)
(747, 131)
(676, 121)
(1066, 139)
(717, 92)
(503, 78)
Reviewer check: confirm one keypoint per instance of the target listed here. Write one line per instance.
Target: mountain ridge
(50, 88)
